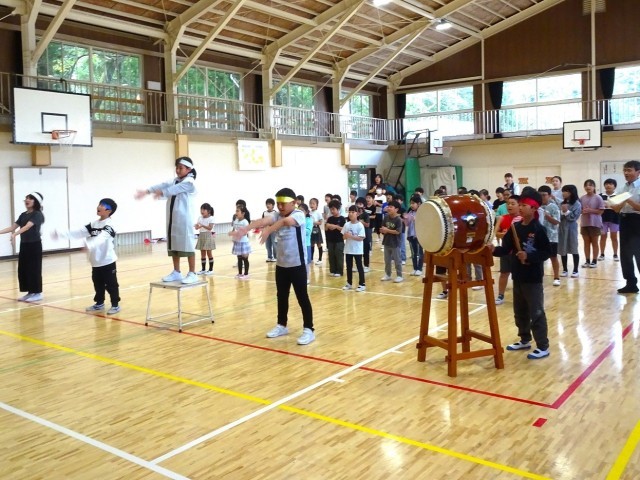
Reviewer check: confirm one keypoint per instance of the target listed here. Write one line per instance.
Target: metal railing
(130, 108)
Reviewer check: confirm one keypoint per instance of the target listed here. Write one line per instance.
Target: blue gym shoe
(519, 346)
(537, 353)
(95, 308)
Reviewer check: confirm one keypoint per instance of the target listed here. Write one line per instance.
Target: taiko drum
(464, 222)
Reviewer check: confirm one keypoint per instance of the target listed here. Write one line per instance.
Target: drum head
(434, 226)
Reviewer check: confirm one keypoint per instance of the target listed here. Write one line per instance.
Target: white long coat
(180, 194)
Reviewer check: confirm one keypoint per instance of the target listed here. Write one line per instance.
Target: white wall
(484, 163)
(117, 166)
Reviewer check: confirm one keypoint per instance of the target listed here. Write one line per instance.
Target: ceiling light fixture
(443, 25)
(379, 3)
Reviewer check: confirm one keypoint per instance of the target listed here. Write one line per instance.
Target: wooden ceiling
(358, 40)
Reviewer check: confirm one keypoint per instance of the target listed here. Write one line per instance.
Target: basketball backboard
(435, 143)
(37, 113)
(583, 134)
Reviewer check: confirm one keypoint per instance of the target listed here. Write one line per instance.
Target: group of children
(536, 225)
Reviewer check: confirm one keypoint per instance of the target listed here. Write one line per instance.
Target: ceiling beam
(388, 60)
(339, 24)
(53, 27)
(397, 78)
(205, 42)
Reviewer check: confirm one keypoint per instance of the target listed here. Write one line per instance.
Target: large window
(541, 103)
(295, 95)
(357, 105)
(625, 104)
(112, 78)
(448, 111)
(209, 98)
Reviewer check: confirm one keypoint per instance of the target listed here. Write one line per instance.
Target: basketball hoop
(63, 139)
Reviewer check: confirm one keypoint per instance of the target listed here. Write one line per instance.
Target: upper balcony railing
(129, 108)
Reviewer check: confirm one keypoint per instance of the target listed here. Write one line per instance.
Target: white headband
(186, 163)
(37, 196)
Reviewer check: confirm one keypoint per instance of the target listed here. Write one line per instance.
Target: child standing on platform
(528, 246)
(179, 194)
(354, 235)
(241, 246)
(100, 237)
(30, 257)
(271, 241)
(206, 241)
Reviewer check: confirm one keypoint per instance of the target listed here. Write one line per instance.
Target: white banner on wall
(253, 155)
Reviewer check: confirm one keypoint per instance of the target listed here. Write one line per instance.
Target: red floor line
(458, 387)
(555, 405)
(584, 375)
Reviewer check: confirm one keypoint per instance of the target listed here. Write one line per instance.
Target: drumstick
(516, 241)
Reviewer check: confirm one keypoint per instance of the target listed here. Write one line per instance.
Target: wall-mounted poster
(253, 155)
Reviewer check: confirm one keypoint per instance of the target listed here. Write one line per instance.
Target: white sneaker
(398, 280)
(95, 308)
(575, 275)
(277, 331)
(477, 287)
(202, 272)
(190, 278)
(319, 262)
(336, 274)
(34, 297)
(354, 269)
(209, 272)
(307, 337)
(24, 297)
(361, 288)
(386, 278)
(366, 269)
(113, 310)
(404, 262)
(564, 273)
(415, 273)
(556, 282)
(442, 295)
(174, 276)
(347, 287)
(500, 300)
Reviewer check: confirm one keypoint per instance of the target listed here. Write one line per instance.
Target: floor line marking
(93, 442)
(621, 462)
(415, 443)
(269, 405)
(278, 403)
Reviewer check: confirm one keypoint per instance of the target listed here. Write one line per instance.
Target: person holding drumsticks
(528, 245)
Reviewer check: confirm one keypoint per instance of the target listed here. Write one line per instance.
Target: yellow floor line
(305, 413)
(628, 449)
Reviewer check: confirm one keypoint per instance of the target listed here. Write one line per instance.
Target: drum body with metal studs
(464, 222)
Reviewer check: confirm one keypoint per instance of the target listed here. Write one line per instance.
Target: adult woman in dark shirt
(30, 258)
(378, 183)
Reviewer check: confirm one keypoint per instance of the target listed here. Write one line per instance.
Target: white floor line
(94, 443)
(333, 378)
(277, 403)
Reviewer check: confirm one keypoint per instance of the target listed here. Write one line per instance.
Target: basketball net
(63, 140)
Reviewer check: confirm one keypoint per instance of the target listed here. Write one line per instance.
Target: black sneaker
(628, 289)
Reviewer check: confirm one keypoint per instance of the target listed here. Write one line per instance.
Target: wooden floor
(94, 397)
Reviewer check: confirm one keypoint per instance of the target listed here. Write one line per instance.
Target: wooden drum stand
(456, 264)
